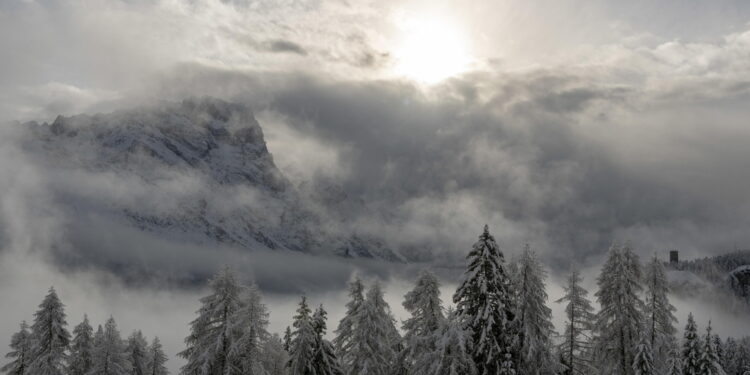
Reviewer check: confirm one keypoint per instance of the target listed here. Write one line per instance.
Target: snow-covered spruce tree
(659, 313)
(50, 337)
(98, 337)
(424, 304)
(452, 354)
(156, 359)
(743, 357)
(729, 361)
(110, 357)
(326, 362)
(136, 351)
(535, 318)
(287, 338)
(719, 345)
(20, 354)
(81, 348)
(643, 362)
(274, 357)
(674, 361)
(375, 336)
(691, 348)
(484, 304)
(210, 337)
(346, 343)
(618, 322)
(575, 348)
(303, 344)
(248, 333)
(709, 363)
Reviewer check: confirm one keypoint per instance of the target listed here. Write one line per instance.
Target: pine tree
(719, 346)
(643, 362)
(709, 363)
(49, 336)
(375, 336)
(287, 338)
(691, 349)
(425, 306)
(81, 349)
(21, 352)
(619, 319)
(136, 352)
(303, 345)
(325, 357)
(98, 338)
(743, 357)
(659, 313)
(346, 343)
(110, 357)
(274, 357)
(156, 359)
(484, 303)
(729, 361)
(674, 361)
(210, 337)
(535, 318)
(579, 314)
(249, 331)
(452, 354)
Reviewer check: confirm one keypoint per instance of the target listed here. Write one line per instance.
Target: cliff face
(197, 172)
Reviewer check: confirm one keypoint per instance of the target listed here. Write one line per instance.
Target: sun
(431, 50)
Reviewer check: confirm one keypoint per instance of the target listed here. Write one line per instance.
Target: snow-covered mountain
(196, 172)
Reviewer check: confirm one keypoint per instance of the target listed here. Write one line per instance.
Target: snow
(197, 172)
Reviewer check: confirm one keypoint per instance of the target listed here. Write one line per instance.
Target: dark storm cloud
(564, 160)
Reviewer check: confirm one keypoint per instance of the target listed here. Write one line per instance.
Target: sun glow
(431, 49)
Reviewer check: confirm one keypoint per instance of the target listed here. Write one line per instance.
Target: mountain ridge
(198, 172)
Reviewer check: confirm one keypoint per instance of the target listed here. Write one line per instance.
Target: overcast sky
(564, 123)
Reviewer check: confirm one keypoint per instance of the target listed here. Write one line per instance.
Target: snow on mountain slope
(197, 172)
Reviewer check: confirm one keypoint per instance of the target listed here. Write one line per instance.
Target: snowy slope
(196, 172)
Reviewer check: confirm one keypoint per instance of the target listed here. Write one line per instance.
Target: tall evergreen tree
(156, 359)
(743, 357)
(249, 332)
(375, 336)
(21, 352)
(424, 304)
(484, 303)
(691, 348)
(709, 363)
(211, 332)
(346, 343)
(275, 357)
(619, 319)
(98, 337)
(287, 338)
(81, 349)
(303, 345)
(643, 362)
(719, 345)
(674, 361)
(50, 337)
(535, 318)
(136, 352)
(452, 354)
(659, 313)
(575, 348)
(326, 362)
(729, 361)
(110, 357)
